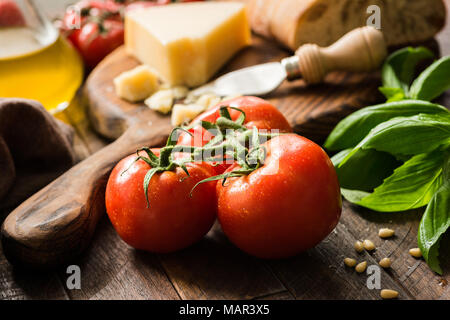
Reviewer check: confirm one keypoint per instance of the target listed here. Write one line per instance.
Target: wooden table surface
(215, 269)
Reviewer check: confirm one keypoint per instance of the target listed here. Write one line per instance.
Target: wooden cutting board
(56, 224)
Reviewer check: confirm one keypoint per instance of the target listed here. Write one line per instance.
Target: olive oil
(50, 74)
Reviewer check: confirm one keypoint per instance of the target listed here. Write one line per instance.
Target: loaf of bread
(295, 22)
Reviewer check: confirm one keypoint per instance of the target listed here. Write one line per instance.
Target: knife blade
(255, 80)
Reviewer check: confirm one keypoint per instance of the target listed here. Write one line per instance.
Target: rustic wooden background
(215, 269)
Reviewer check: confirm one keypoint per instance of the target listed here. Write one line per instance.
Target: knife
(360, 50)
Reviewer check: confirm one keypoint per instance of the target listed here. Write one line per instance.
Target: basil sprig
(399, 69)
(396, 156)
(356, 126)
(435, 221)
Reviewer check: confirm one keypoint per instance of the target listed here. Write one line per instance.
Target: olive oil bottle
(37, 63)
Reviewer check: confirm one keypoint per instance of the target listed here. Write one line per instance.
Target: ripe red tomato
(259, 113)
(173, 220)
(286, 206)
(83, 12)
(94, 42)
(10, 14)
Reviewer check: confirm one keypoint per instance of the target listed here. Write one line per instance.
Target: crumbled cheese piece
(180, 92)
(161, 101)
(182, 113)
(136, 84)
(208, 100)
(231, 97)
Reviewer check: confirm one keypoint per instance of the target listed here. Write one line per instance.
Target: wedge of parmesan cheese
(136, 84)
(187, 43)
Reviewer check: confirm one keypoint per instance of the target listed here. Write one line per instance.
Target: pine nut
(349, 262)
(385, 262)
(359, 246)
(415, 252)
(368, 245)
(386, 233)
(388, 294)
(361, 267)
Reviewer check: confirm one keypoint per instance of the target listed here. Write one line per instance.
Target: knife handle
(360, 50)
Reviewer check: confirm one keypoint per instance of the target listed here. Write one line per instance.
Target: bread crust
(295, 22)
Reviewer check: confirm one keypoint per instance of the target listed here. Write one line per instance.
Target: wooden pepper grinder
(361, 50)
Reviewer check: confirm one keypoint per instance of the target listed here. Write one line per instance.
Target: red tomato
(100, 29)
(288, 205)
(173, 220)
(88, 9)
(259, 113)
(94, 44)
(10, 14)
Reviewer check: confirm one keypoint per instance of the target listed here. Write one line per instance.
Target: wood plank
(76, 114)
(321, 274)
(16, 284)
(412, 274)
(113, 270)
(215, 269)
(283, 295)
(313, 110)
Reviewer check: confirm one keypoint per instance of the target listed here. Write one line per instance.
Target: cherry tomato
(10, 14)
(259, 113)
(288, 205)
(173, 220)
(86, 9)
(94, 42)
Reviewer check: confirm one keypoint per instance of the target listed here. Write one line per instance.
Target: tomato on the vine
(173, 219)
(95, 41)
(278, 198)
(259, 113)
(288, 205)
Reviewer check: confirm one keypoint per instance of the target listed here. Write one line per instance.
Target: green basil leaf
(338, 157)
(392, 94)
(407, 135)
(356, 126)
(435, 222)
(354, 196)
(399, 68)
(411, 186)
(433, 81)
(366, 169)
